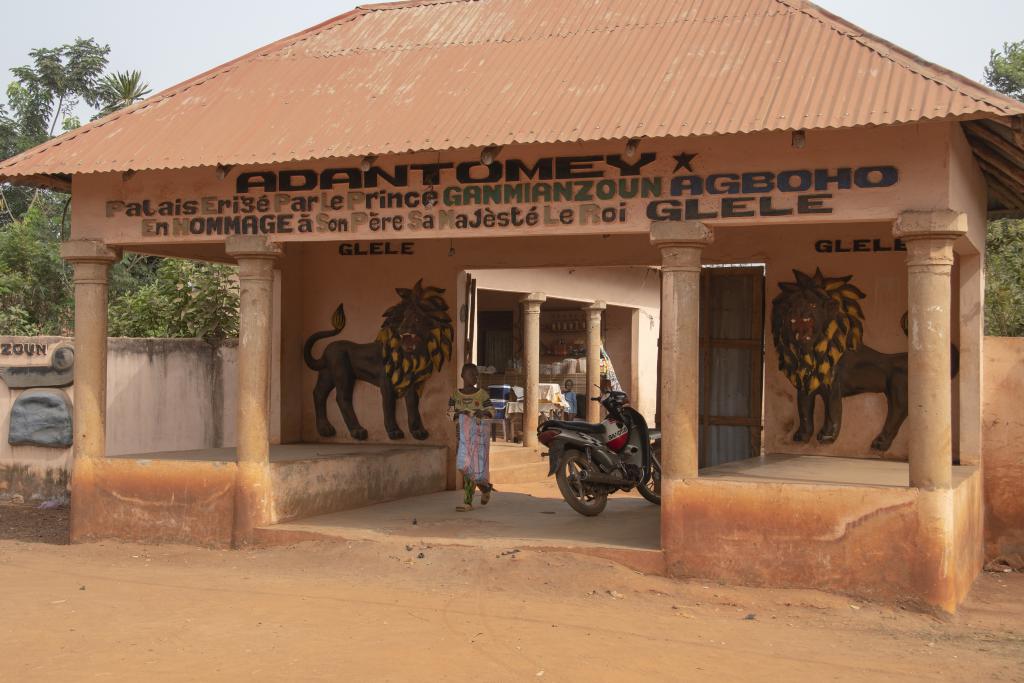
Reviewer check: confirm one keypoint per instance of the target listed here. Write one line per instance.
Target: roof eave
(60, 182)
(998, 147)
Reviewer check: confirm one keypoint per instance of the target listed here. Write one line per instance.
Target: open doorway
(732, 363)
(494, 335)
(498, 352)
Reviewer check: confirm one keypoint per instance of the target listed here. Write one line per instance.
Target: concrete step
(508, 456)
(526, 473)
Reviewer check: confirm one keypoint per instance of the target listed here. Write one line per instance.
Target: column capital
(88, 251)
(667, 234)
(595, 308)
(533, 299)
(251, 247)
(943, 224)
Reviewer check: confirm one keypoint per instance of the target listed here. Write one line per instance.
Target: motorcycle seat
(585, 427)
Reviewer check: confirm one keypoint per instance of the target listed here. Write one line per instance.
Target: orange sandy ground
(378, 611)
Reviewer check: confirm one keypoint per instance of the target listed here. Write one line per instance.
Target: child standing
(570, 398)
(470, 407)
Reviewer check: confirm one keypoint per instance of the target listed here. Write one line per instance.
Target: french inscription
(550, 193)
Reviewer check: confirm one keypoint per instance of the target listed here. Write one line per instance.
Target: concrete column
(681, 244)
(255, 257)
(531, 364)
(972, 339)
(594, 313)
(929, 236)
(91, 260)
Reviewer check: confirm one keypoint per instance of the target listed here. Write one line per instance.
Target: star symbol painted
(684, 160)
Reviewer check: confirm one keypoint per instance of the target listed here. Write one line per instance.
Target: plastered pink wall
(1003, 446)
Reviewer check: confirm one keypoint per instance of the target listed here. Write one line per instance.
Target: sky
(173, 41)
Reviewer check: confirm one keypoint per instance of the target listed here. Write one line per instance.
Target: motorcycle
(592, 461)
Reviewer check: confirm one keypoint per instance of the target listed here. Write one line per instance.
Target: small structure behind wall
(629, 326)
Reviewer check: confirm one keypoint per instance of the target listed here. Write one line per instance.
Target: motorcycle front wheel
(574, 490)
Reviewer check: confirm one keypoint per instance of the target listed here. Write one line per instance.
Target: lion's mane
(839, 322)
(404, 369)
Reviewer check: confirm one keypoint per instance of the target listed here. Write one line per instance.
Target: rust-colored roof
(440, 74)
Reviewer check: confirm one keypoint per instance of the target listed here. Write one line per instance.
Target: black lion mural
(818, 329)
(414, 341)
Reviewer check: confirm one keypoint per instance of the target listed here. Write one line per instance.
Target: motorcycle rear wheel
(651, 489)
(573, 490)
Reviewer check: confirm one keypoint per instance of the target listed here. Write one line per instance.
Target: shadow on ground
(25, 522)
(534, 514)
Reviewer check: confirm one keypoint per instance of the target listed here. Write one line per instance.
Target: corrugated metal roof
(440, 74)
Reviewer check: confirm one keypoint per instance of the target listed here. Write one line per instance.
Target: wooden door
(732, 362)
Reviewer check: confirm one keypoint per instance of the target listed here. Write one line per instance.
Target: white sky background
(173, 41)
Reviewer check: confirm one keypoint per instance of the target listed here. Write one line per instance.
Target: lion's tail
(338, 320)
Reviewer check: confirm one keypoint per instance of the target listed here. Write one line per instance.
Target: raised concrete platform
(837, 524)
(290, 452)
(816, 469)
(189, 496)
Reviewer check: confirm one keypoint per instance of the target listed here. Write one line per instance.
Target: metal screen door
(732, 361)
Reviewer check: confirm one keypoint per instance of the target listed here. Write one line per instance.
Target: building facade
(358, 173)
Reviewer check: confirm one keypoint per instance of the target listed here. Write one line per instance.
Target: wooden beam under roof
(1006, 213)
(999, 163)
(1014, 128)
(1007, 197)
(1010, 196)
(986, 132)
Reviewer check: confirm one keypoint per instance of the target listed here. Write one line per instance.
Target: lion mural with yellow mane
(818, 330)
(414, 342)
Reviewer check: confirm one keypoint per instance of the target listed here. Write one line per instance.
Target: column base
(151, 501)
(252, 501)
(894, 545)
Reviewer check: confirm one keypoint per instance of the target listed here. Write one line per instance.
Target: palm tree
(120, 89)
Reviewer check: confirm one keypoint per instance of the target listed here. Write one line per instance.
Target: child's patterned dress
(474, 437)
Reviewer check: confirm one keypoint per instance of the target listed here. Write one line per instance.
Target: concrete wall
(316, 486)
(162, 395)
(30, 470)
(1003, 446)
(170, 395)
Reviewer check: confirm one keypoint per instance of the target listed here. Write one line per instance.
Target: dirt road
(383, 611)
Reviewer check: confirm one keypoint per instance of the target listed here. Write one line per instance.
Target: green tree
(1004, 283)
(121, 89)
(45, 92)
(149, 296)
(181, 299)
(40, 102)
(35, 287)
(1005, 70)
(1004, 244)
